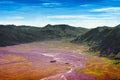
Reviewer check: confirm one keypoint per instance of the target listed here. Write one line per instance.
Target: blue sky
(79, 13)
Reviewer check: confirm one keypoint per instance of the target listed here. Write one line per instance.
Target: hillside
(62, 31)
(111, 44)
(11, 34)
(94, 36)
(103, 39)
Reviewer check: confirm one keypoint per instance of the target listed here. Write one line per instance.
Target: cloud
(86, 5)
(96, 23)
(82, 17)
(65, 16)
(49, 4)
(73, 12)
(7, 2)
(23, 1)
(15, 17)
(87, 21)
(115, 0)
(109, 9)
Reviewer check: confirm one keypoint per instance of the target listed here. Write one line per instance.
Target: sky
(79, 13)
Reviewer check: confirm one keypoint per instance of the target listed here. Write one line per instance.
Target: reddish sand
(53, 60)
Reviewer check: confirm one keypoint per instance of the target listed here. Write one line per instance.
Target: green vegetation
(93, 53)
(94, 36)
(111, 44)
(116, 62)
(105, 40)
(11, 34)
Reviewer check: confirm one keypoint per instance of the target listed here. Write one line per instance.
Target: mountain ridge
(103, 39)
(12, 34)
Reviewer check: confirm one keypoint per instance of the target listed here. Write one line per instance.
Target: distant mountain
(104, 39)
(11, 34)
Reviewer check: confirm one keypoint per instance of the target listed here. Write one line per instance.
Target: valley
(54, 60)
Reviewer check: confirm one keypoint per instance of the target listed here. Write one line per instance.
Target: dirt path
(53, 60)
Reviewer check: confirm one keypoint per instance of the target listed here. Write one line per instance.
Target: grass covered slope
(111, 44)
(103, 39)
(64, 30)
(11, 34)
(94, 36)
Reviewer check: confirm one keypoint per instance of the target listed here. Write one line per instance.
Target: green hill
(11, 34)
(94, 36)
(62, 31)
(104, 39)
(111, 44)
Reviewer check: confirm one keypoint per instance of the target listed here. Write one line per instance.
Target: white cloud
(16, 17)
(51, 4)
(109, 9)
(96, 23)
(86, 5)
(85, 17)
(65, 16)
(88, 21)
